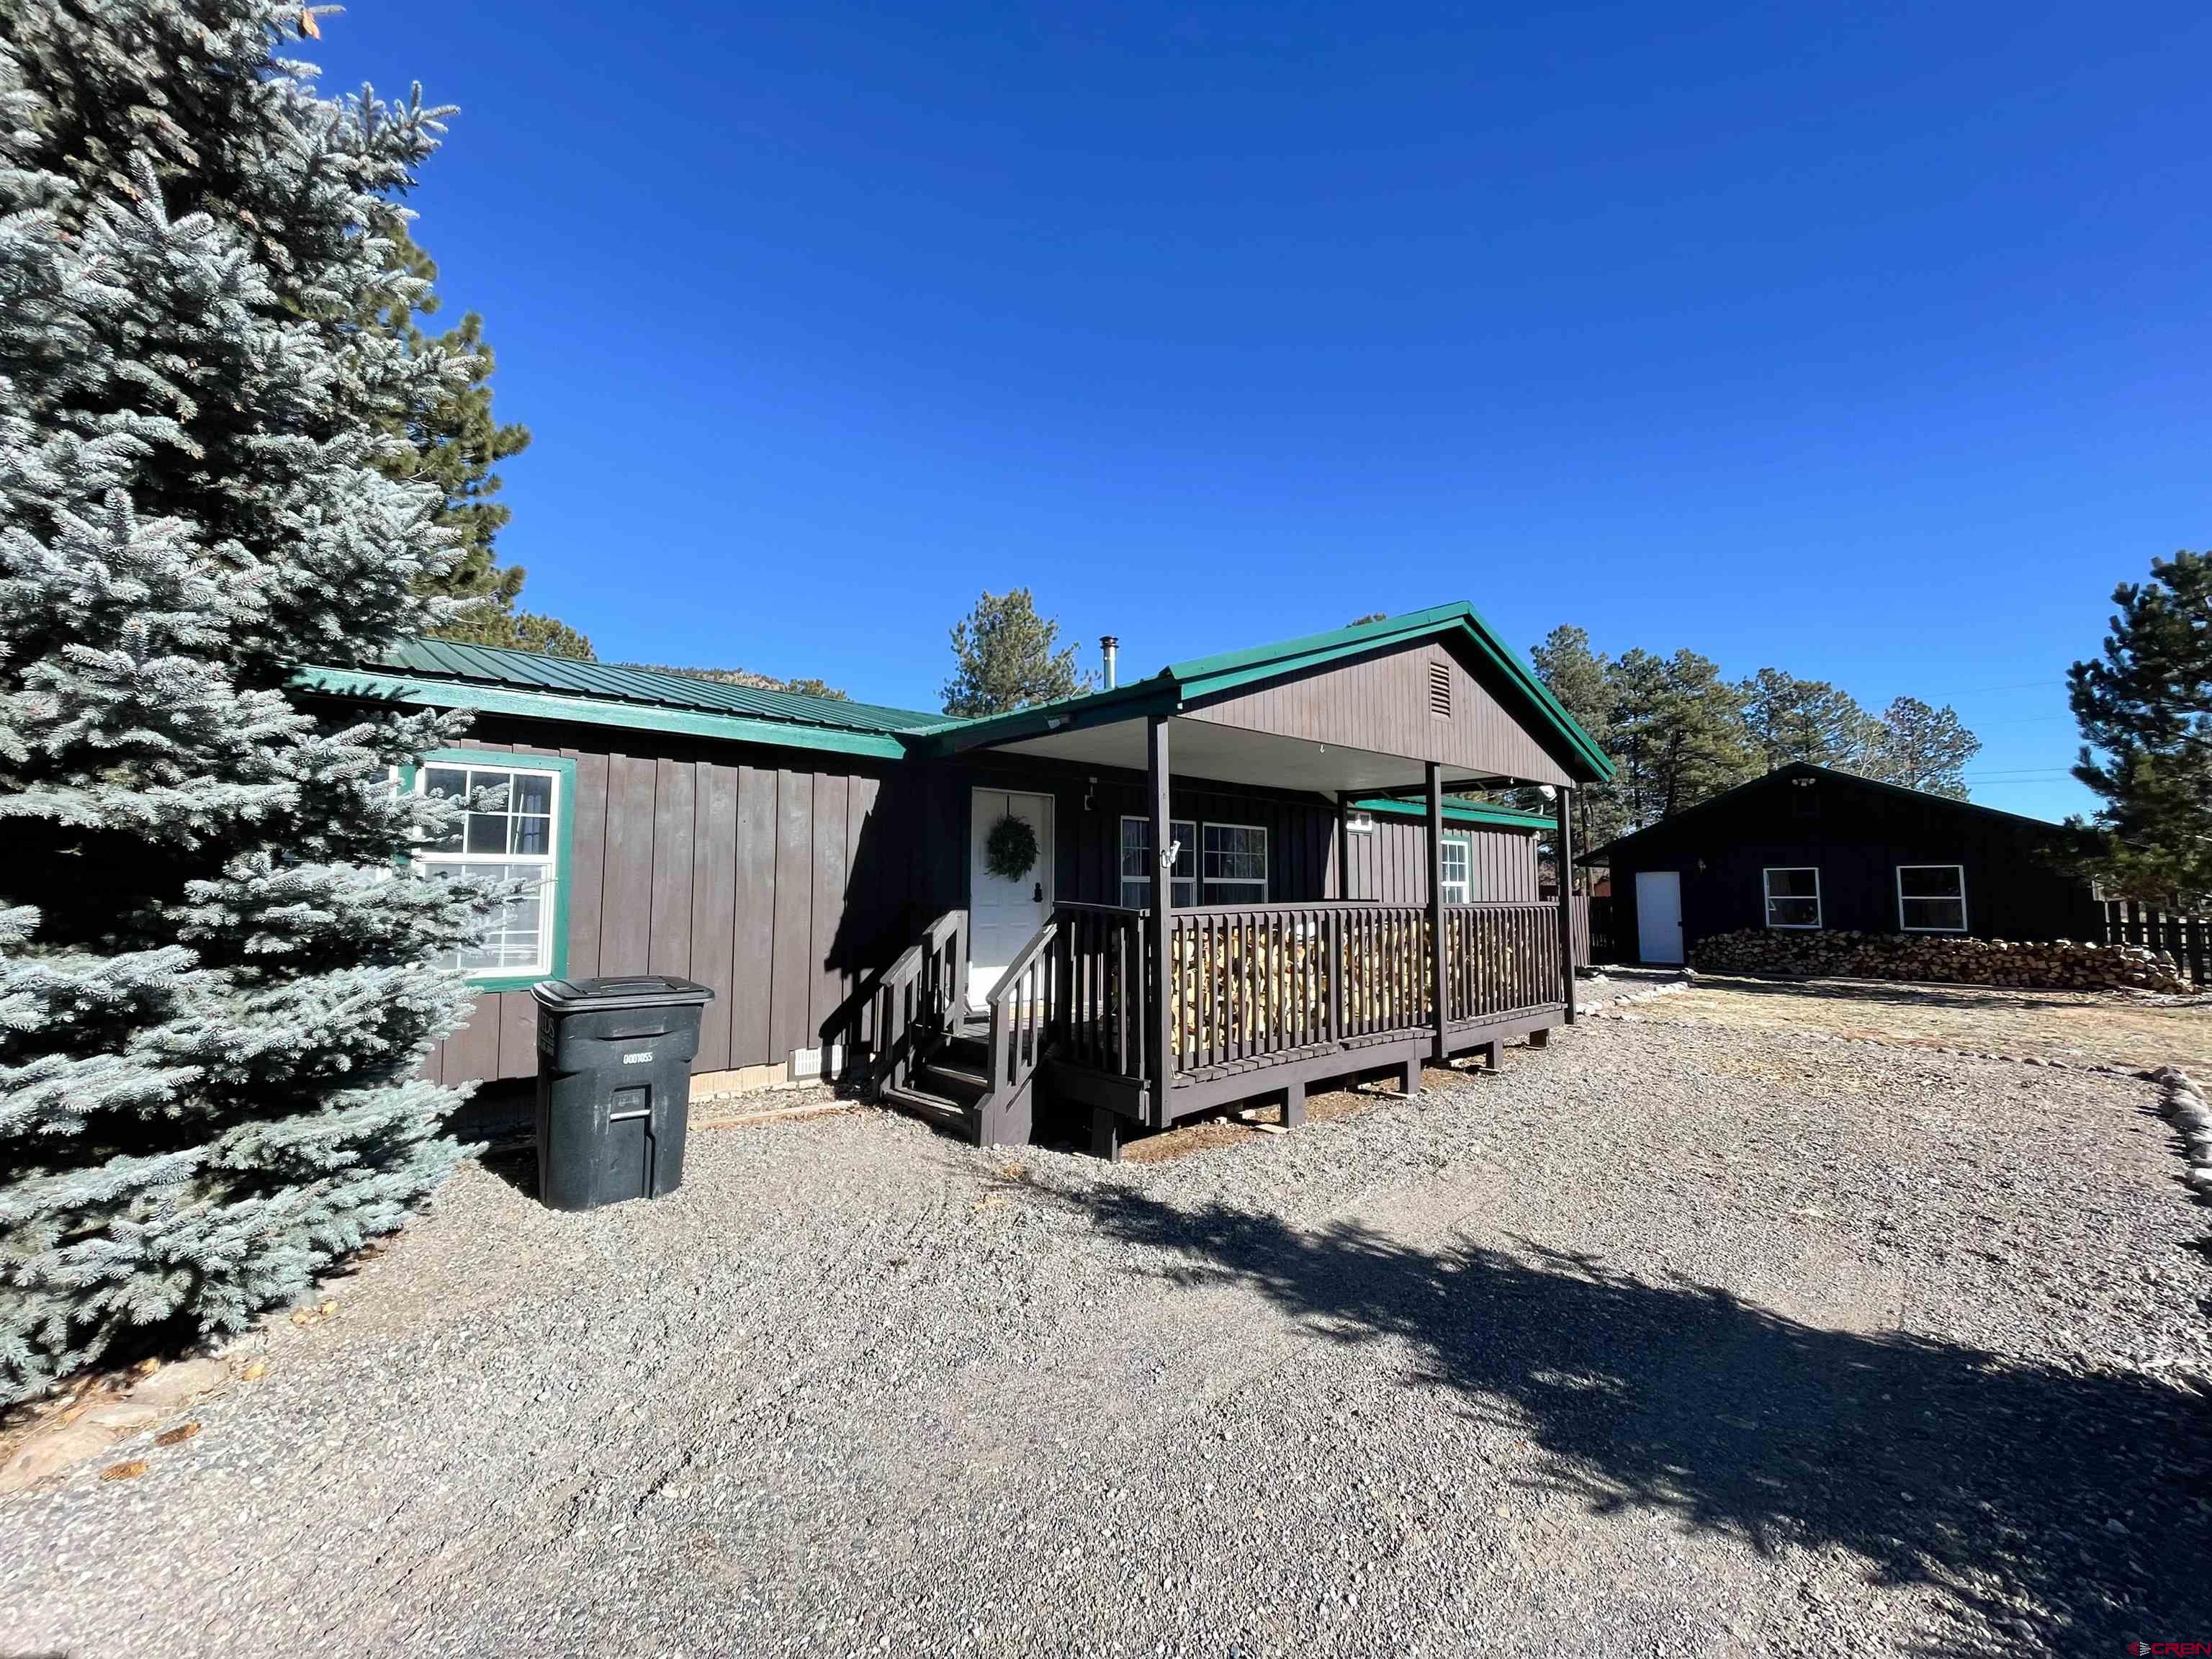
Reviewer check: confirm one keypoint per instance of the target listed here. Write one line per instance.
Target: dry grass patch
(2112, 1028)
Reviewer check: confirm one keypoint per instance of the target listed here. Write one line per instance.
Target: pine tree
(1923, 747)
(2145, 709)
(1786, 718)
(456, 444)
(217, 973)
(1582, 680)
(1008, 657)
(1678, 734)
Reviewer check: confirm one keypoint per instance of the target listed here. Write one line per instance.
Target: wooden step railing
(917, 1000)
(1021, 1006)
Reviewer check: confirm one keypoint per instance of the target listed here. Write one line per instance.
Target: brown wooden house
(830, 869)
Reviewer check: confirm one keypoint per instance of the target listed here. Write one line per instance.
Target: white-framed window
(516, 841)
(1235, 863)
(1137, 863)
(1931, 898)
(1792, 896)
(1454, 850)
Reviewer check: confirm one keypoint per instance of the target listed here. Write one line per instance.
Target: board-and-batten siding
(1383, 704)
(781, 883)
(1389, 864)
(767, 883)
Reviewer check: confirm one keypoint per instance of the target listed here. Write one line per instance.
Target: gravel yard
(1674, 1339)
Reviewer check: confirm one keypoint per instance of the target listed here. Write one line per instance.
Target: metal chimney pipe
(1109, 648)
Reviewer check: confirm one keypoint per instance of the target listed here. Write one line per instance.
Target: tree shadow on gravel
(1989, 1479)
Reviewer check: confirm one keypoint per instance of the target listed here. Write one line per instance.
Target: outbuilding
(1811, 848)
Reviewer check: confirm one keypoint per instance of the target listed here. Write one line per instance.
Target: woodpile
(1255, 993)
(2039, 965)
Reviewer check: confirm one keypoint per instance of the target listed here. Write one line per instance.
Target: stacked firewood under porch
(1263, 1001)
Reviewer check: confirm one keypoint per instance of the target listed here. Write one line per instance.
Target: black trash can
(614, 1087)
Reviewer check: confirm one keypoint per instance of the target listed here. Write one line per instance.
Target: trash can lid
(584, 996)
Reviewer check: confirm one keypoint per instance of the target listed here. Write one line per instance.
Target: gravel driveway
(1672, 1340)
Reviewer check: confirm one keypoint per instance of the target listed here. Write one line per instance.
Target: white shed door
(1659, 915)
(1002, 913)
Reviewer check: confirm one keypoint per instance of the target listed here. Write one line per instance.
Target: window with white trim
(510, 840)
(1137, 863)
(1931, 898)
(1453, 850)
(1235, 863)
(1792, 896)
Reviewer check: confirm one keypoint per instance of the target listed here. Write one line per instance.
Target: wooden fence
(2187, 939)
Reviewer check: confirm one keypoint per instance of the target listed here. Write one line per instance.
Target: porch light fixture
(1360, 824)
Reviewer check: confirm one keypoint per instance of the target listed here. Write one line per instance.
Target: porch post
(1563, 813)
(1436, 904)
(1162, 1013)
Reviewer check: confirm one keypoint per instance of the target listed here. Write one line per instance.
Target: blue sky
(1870, 347)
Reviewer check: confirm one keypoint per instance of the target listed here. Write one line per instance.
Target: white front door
(1004, 912)
(1658, 915)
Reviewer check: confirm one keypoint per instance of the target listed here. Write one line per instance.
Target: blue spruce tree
(217, 971)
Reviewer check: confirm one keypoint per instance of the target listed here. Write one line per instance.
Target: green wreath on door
(1010, 852)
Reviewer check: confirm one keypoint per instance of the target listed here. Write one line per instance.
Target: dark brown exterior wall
(1301, 829)
(777, 876)
(1389, 865)
(781, 877)
(1382, 703)
(1857, 839)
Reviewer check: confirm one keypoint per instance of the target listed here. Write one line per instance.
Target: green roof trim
(449, 674)
(588, 711)
(1207, 677)
(1457, 811)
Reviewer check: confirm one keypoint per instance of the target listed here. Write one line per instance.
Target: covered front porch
(1145, 1015)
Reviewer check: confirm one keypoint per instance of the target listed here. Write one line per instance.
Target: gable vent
(1440, 691)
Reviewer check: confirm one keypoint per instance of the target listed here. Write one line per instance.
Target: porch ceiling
(1224, 754)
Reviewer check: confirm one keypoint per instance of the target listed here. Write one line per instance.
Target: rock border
(1599, 1008)
(2181, 1104)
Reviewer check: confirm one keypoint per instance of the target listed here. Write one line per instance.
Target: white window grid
(1236, 858)
(1773, 898)
(1454, 852)
(1137, 862)
(515, 847)
(1951, 903)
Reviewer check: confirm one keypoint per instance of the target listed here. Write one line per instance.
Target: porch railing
(1500, 959)
(1248, 983)
(1098, 1016)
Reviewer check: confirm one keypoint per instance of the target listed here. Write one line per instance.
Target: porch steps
(946, 1088)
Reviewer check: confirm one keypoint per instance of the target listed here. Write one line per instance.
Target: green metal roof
(487, 665)
(445, 673)
(1457, 811)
